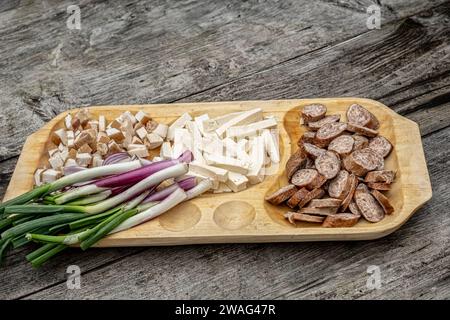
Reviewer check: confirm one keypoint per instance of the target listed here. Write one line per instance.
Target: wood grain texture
(414, 260)
(245, 217)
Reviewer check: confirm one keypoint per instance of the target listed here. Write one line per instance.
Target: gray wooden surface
(164, 51)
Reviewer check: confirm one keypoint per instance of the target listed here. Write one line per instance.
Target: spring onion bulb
(200, 188)
(185, 184)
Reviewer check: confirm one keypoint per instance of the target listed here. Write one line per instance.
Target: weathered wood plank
(154, 52)
(414, 262)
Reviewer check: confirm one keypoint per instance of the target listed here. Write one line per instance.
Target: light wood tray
(245, 217)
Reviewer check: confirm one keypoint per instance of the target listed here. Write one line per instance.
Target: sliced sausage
(383, 201)
(297, 197)
(324, 203)
(328, 164)
(384, 176)
(295, 216)
(313, 112)
(362, 161)
(354, 208)
(281, 194)
(361, 142)
(296, 161)
(342, 145)
(351, 191)
(307, 137)
(361, 130)
(369, 206)
(379, 186)
(340, 220)
(339, 186)
(310, 164)
(308, 178)
(328, 119)
(313, 194)
(381, 145)
(362, 187)
(319, 211)
(312, 151)
(357, 114)
(328, 132)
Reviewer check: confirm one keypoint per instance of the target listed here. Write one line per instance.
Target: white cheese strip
(227, 163)
(236, 181)
(212, 144)
(209, 171)
(153, 141)
(182, 141)
(241, 119)
(271, 145)
(142, 117)
(161, 130)
(223, 188)
(199, 177)
(257, 155)
(250, 129)
(197, 141)
(166, 151)
(213, 124)
(230, 147)
(179, 123)
(199, 121)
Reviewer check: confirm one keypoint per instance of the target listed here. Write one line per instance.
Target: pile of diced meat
(337, 174)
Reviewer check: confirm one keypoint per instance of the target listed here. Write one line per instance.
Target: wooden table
(164, 51)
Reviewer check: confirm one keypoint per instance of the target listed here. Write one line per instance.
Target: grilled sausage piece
(340, 220)
(297, 197)
(384, 176)
(328, 164)
(325, 203)
(383, 201)
(295, 216)
(296, 161)
(379, 186)
(354, 208)
(281, 194)
(328, 132)
(313, 194)
(360, 162)
(361, 142)
(342, 145)
(313, 112)
(368, 205)
(380, 145)
(312, 151)
(339, 186)
(357, 114)
(308, 178)
(319, 211)
(307, 137)
(351, 191)
(361, 130)
(328, 119)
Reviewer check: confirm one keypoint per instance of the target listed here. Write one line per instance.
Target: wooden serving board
(245, 217)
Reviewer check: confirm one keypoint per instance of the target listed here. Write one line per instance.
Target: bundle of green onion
(77, 210)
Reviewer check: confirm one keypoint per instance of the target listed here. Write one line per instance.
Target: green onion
(26, 197)
(37, 262)
(40, 251)
(4, 244)
(91, 199)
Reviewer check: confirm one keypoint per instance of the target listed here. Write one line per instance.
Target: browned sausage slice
(313, 112)
(342, 145)
(313, 194)
(325, 203)
(308, 178)
(295, 216)
(361, 142)
(312, 151)
(307, 137)
(339, 186)
(348, 198)
(297, 197)
(296, 161)
(381, 145)
(369, 206)
(319, 211)
(328, 132)
(357, 114)
(362, 130)
(383, 201)
(379, 186)
(340, 220)
(362, 161)
(309, 164)
(281, 194)
(385, 176)
(328, 164)
(354, 208)
(328, 119)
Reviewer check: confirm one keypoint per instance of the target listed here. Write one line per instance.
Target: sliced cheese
(246, 117)
(250, 129)
(257, 154)
(213, 124)
(271, 145)
(209, 171)
(223, 188)
(179, 123)
(236, 181)
(227, 163)
(199, 121)
(166, 151)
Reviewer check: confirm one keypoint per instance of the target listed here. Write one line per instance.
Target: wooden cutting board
(245, 217)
